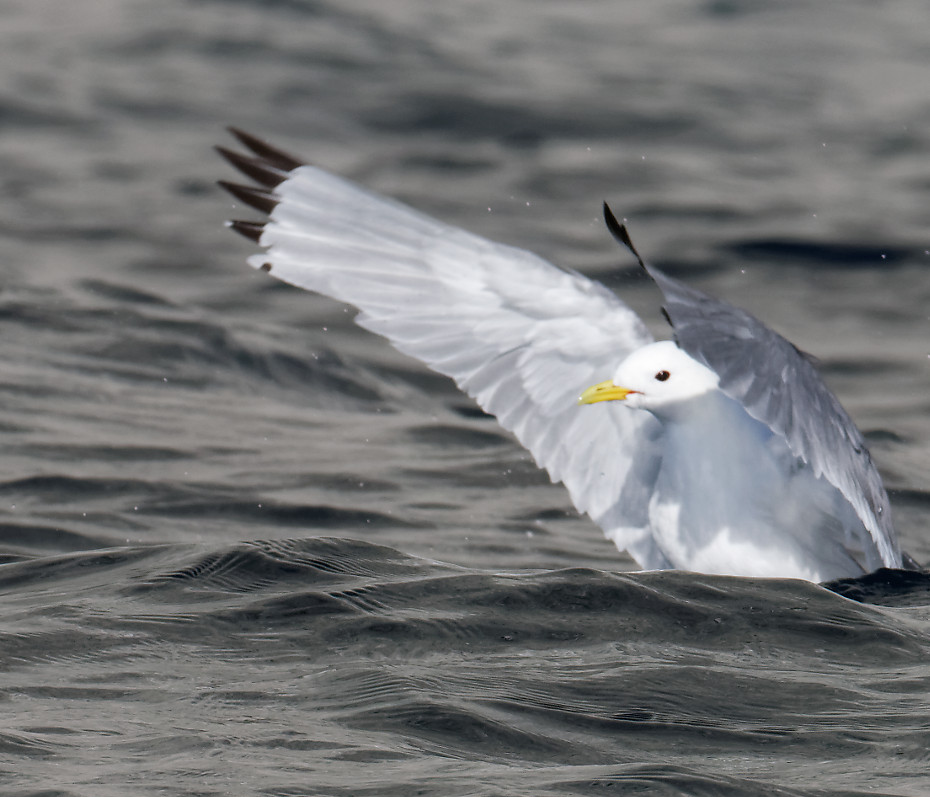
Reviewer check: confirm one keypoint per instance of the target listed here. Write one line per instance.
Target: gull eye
(662, 376)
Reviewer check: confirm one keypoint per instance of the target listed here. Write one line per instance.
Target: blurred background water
(248, 549)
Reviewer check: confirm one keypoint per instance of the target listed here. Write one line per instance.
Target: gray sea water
(248, 549)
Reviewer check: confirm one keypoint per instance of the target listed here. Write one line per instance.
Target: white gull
(721, 452)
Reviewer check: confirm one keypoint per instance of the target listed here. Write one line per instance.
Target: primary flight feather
(721, 452)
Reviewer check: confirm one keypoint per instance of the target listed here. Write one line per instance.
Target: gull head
(657, 378)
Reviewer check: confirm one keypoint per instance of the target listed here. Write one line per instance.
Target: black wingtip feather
(249, 229)
(275, 157)
(258, 198)
(259, 170)
(620, 233)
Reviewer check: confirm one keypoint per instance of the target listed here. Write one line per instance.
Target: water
(249, 549)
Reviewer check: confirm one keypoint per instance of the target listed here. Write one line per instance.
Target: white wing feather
(519, 335)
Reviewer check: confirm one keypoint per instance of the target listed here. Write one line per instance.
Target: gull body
(721, 451)
(730, 497)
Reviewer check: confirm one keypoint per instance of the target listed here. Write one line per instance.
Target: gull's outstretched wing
(779, 386)
(519, 335)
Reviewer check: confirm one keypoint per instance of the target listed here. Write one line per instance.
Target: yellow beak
(604, 391)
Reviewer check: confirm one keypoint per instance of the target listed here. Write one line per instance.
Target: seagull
(721, 451)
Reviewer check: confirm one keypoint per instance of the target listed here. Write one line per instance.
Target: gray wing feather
(779, 386)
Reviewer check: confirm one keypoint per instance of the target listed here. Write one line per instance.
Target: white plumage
(525, 338)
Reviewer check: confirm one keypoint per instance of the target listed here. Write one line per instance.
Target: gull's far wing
(779, 386)
(519, 335)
